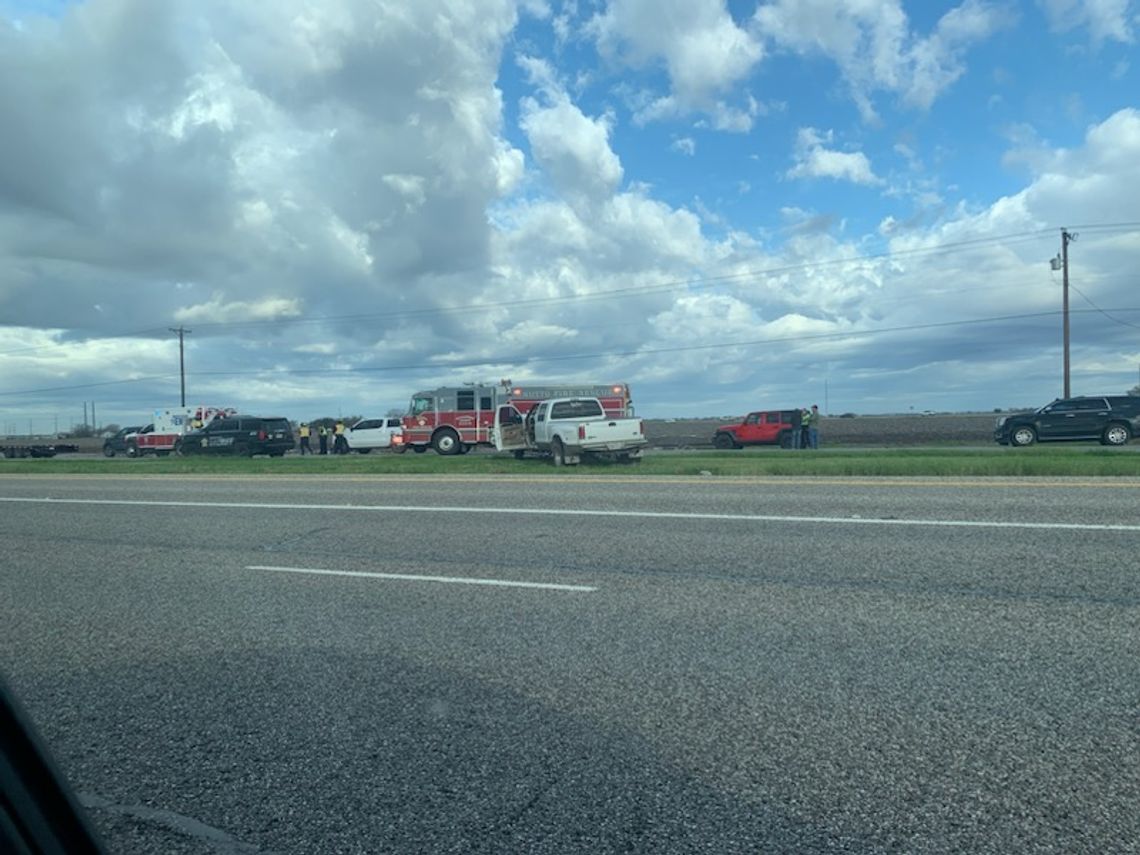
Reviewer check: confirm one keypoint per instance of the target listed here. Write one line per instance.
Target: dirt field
(957, 429)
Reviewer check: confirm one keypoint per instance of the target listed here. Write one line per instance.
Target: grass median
(948, 462)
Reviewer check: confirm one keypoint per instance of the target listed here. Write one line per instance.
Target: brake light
(581, 431)
(261, 434)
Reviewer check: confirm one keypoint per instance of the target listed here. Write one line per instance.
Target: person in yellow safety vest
(340, 444)
(323, 438)
(805, 428)
(304, 431)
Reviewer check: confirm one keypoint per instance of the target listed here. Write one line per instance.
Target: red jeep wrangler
(765, 427)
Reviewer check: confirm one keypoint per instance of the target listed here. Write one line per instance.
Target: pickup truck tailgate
(611, 434)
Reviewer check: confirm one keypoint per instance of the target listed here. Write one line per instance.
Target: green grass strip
(997, 462)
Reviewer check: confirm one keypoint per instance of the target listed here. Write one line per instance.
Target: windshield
(420, 404)
(579, 409)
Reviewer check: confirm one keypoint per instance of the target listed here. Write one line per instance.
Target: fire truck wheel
(446, 442)
(178, 452)
(464, 448)
(558, 452)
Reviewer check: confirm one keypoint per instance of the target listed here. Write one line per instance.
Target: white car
(368, 434)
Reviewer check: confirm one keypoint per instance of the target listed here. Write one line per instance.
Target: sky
(729, 205)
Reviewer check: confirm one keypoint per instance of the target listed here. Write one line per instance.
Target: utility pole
(94, 421)
(1062, 262)
(84, 414)
(181, 359)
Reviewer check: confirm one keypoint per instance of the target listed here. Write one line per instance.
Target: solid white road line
(579, 512)
(408, 577)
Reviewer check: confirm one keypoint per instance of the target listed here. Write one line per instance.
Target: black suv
(242, 435)
(1113, 419)
(117, 444)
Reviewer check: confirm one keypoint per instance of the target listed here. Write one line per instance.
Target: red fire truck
(452, 419)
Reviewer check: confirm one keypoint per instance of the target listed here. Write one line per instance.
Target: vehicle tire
(519, 454)
(446, 442)
(177, 450)
(108, 451)
(1022, 436)
(132, 450)
(277, 454)
(724, 441)
(557, 452)
(362, 450)
(419, 449)
(162, 454)
(785, 439)
(1116, 434)
(398, 449)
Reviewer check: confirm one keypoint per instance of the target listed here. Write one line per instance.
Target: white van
(368, 434)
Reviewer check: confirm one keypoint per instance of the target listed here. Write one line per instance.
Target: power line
(633, 290)
(525, 359)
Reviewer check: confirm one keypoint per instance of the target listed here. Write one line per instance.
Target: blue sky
(728, 205)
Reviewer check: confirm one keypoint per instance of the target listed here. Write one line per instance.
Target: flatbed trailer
(35, 449)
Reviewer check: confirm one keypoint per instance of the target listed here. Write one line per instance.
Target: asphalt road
(713, 666)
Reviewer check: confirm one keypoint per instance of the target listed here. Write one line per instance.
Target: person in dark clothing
(323, 439)
(797, 426)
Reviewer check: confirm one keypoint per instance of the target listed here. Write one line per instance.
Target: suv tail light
(581, 431)
(262, 435)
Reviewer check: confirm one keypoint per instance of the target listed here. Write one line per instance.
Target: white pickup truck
(568, 429)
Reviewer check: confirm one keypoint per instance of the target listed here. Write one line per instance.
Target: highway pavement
(582, 664)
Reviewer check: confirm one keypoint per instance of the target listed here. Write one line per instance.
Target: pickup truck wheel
(108, 451)
(724, 441)
(558, 452)
(132, 450)
(1116, 434)
(446, 442)
(1022, 436)
(363, 450)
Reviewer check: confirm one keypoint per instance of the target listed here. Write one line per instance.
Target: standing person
(813, 428)
(305, 448)
(340, 444)
(323, 438)
(796, 420)
(805, 428)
